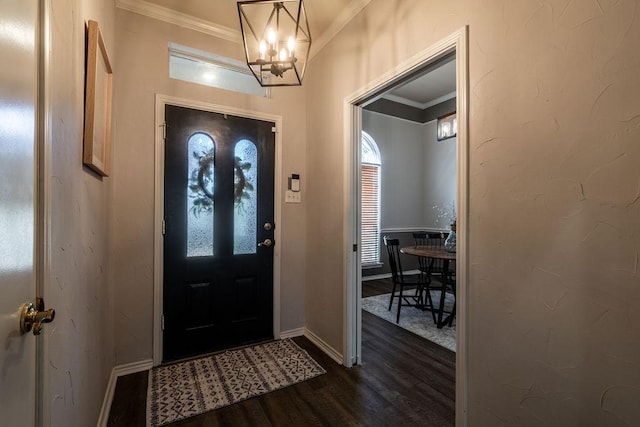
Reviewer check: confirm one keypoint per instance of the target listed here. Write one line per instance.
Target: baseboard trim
(292, 333)
(330, 351)
(376, 277)
(388, 275)
(413, 229)
(143, 365)
(119, 371)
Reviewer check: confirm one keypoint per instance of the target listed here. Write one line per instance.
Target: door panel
(218, 186)
(18, 98)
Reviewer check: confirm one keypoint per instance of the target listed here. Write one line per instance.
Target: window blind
(370, 249)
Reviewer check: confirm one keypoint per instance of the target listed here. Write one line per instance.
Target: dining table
(437, 252)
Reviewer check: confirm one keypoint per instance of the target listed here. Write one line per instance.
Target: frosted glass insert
(246, 199)
(201, 150)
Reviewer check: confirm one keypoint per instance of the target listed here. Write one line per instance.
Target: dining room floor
(371, 288)
(375, 300)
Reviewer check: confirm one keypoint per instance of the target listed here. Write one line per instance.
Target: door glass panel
(245, 186)
(201, 150)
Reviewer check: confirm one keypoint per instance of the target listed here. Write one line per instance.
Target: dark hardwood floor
(403, 380)
(371, 288)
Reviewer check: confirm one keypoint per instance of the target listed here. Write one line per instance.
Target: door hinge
(164, 130)
(164, 227)
(162, 322)
(274, 129)
(355, 248)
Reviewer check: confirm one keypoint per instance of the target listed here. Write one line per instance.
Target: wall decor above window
(98, 93)
(447, 126)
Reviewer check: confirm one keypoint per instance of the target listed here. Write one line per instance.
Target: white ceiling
(220, 17)
(434, 87)
(326, 18)
(225, 12)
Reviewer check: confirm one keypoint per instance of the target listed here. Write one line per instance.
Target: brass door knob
(34, 316)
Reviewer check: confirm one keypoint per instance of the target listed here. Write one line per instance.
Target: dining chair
(400, 281)
(420, 239)
(439, 269)
(429, 266)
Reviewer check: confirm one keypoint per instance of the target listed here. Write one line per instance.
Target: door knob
(33, 316)
(266, 242)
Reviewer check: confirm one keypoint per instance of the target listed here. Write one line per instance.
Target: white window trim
(367, 140)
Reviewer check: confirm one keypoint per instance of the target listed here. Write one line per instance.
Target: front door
(18, 107)
(218, 242)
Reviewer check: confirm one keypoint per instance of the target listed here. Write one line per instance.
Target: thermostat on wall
(294, 182)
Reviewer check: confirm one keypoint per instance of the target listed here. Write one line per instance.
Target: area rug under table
(189, 388)
(420, 322)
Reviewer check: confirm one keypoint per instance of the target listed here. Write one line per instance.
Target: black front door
(218, 243)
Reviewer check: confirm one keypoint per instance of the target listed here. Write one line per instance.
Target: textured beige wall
(80, 341)
(554, 286)
(142, 44)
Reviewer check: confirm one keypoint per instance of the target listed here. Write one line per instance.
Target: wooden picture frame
(447, 126)
(98, 98)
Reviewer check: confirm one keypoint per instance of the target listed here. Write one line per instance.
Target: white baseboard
(292, 333)
(330, 351)
(119, 371)
(376, 277)
(388, 275)
(413, 230)
(143, 365)
(326, 348)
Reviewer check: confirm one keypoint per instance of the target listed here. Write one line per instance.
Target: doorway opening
(453, 46)
(412, 199)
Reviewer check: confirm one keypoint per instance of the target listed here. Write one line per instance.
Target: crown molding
(419, 105)
(348, 13)
(440, 100)
(170, 16)
(401, 100)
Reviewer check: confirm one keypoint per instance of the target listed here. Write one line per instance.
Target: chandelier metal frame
(277, 44)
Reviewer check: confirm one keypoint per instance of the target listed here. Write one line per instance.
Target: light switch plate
(292, 197)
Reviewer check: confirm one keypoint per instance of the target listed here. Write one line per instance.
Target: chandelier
(276, 40)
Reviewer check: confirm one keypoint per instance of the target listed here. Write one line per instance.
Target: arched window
(370, 202)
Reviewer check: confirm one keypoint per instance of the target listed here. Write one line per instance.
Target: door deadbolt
(266, 242)
(268, 226)
(34, 316)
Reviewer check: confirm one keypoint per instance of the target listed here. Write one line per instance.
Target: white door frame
(158, 250)
(44, 214)
(458, 43)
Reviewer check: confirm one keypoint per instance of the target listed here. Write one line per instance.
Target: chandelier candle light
(276, 40)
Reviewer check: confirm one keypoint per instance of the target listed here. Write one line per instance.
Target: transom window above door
(196, 66)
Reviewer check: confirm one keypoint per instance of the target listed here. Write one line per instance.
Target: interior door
(218, 242)
(18, 106)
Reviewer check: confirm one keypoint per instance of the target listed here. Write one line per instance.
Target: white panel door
(18, 108)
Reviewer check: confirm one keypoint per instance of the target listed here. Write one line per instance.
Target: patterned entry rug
(413, 319)
(189, 388)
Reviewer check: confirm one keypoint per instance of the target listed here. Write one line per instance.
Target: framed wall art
(98, 97)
